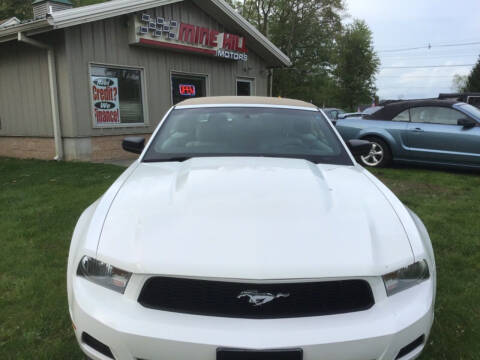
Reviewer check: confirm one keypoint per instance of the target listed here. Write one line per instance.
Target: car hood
(252, 218)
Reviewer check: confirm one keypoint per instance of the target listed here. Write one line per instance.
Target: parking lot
(41, 201)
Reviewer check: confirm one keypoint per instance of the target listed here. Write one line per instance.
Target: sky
(452, 28)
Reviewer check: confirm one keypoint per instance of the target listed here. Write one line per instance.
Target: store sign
(177, 35)
(187, 90)
(105, 100)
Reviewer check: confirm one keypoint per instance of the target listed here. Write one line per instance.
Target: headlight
(406, 278)
(103, 274)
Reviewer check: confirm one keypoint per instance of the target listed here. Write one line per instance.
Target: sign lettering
(188, 37)
(105, 99)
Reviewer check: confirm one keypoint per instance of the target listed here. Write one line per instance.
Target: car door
(433, 135)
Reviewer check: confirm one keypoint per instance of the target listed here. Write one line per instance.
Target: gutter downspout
(52, 77)
(270, 82)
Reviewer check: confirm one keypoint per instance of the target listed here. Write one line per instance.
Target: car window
(471, 110)
(371, 110)
(333, 114)
(435, 115)
(247, 131)
(403, 116)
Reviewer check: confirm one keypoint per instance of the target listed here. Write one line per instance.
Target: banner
(106, 103)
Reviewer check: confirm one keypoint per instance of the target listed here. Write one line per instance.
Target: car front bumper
(133, 332)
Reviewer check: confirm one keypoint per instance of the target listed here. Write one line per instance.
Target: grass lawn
(41, 201)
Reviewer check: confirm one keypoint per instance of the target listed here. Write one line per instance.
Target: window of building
(435, 115)
(403, 116)
(245, 87)
(188, 86)
(117, 96)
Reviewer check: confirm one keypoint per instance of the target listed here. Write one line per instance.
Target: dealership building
(75, 81)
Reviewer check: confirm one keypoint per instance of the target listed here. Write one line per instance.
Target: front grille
(256, 301)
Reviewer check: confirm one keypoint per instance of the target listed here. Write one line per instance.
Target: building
(9, 22)
(75, 81)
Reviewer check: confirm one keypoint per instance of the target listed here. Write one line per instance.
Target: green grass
(39, 206)
(41, 201)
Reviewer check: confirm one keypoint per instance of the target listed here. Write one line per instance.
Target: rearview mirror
(133, 144)
(359, 147)
(467, 122)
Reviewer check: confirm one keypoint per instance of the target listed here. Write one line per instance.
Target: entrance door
(245, 87)
(187, 86)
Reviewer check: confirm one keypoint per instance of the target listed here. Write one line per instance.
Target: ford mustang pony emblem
(257, 298)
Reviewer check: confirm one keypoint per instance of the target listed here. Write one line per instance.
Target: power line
(413, 87)
(429, 46)
(405, 49)
(462, 44)
(424, 66)
(419, 76)
(426, 56)
(452, 41)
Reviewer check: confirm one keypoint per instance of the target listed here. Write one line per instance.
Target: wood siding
(107, 42)
(24, 91)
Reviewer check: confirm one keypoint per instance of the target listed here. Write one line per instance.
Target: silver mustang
(441, 132)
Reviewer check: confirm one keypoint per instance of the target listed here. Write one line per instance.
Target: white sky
(399, 24)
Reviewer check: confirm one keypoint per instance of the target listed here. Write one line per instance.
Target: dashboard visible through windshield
(246, 131)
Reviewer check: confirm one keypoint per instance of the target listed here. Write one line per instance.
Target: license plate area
(240, 354)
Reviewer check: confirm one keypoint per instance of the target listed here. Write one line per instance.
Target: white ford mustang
(247, 231)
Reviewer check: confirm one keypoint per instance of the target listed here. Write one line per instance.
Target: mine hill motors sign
(157, 31)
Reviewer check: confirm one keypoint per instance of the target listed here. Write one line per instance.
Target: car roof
(392, 109)
(245, 100)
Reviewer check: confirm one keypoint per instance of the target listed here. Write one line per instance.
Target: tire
(380, 155)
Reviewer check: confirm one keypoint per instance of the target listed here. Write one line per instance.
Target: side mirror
(341, 116)
(467, 122)
(359, 147)
(133, 144)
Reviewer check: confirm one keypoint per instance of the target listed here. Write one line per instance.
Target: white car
(247, 231)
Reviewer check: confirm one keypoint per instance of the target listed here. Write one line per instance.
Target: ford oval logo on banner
(105, 105)
(103, 82)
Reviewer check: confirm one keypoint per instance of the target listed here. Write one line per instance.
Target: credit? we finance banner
(106, 103)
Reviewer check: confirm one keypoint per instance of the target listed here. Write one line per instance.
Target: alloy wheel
(375, 157)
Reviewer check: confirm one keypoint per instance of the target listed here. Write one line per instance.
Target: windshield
(371, 110)
(244, 131)
(471, 110)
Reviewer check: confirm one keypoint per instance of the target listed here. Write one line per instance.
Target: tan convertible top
(245, 100)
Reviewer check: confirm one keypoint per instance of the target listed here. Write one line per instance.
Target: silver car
(440, 132)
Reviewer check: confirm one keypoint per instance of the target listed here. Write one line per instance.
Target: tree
(305, 30)
(257, 12)
(22, 9)
(473, 81)
(356, 65)
(459, 82)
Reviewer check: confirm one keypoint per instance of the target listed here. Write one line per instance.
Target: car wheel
(380, 154)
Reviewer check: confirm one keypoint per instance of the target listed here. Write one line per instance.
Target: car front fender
(382, 134)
